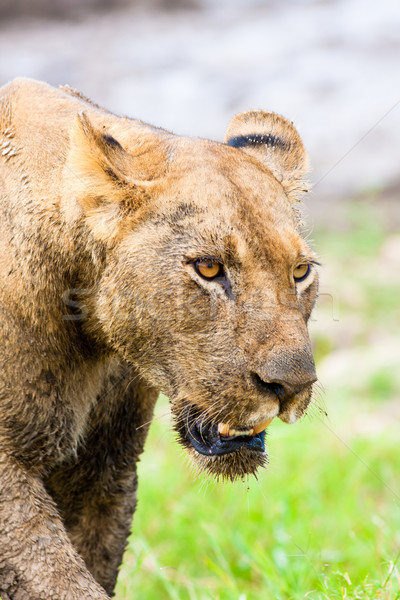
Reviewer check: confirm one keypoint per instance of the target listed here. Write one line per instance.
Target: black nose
(282, 389)
(274, 387)
(286, 375)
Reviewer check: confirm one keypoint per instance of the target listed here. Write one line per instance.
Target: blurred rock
(390, 256)
(75, 9)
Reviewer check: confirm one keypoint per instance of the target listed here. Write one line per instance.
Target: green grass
(323, 520)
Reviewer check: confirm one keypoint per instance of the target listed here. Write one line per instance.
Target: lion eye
(301, 272)
(208, 269)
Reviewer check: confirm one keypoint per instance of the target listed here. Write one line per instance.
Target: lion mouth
(212, 439)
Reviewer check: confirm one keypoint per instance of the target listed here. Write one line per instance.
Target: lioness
(133, 260)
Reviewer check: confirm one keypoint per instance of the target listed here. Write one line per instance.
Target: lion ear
(99, 171)
(274, 141)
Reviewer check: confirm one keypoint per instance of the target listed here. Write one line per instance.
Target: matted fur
(102, 221)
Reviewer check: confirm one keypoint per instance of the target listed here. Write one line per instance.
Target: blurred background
(324, 520)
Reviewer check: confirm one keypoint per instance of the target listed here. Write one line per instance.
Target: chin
(225, 457)
(236, 465)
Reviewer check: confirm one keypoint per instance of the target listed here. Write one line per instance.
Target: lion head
(208, 283)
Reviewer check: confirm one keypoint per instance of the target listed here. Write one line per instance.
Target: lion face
(210, 286)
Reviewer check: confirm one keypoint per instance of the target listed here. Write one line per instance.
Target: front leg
(37, 560)
(96, 494)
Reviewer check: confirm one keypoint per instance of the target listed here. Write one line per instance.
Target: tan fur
(285, 156)
(102, 221)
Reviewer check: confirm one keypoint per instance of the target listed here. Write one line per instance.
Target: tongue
(262, 426)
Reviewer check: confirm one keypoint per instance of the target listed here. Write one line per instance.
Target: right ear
(99, 170)
(273, 141)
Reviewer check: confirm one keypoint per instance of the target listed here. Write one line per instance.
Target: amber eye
(208, 269)
(301, 272)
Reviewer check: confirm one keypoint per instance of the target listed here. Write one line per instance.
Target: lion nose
(286, 377)
(281, 388)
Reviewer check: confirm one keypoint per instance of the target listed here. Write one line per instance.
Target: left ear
(273, 141)
(101, 174)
